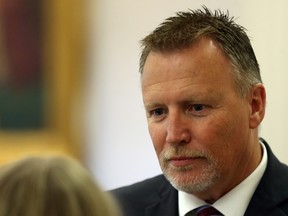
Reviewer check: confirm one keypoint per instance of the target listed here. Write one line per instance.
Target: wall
(119, 150)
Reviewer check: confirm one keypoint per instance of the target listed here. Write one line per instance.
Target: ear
(257, 105)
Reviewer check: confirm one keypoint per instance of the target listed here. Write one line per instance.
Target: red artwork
(21, 101)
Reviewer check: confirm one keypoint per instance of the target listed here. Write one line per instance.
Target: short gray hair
(186, 28)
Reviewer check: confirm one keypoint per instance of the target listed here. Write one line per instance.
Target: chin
(192, 183)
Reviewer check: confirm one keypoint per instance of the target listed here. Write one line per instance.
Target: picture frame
(63, 59)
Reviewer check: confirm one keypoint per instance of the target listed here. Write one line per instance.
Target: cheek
(216, 135)
(216, 130)
(225, 137)
(227, 127)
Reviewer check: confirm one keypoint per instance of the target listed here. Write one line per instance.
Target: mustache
(182, 152)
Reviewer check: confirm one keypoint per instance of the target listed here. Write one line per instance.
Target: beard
(190, 178)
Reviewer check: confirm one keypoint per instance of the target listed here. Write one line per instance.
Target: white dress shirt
(236, 201)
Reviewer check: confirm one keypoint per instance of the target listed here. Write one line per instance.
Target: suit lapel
(166, 203)
(270, 193)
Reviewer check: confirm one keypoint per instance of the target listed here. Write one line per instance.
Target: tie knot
(205, 210)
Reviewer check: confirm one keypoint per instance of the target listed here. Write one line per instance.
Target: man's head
(202, 123)
(187, 28)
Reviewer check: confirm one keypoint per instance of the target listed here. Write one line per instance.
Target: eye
(197, 109)
(157, 112)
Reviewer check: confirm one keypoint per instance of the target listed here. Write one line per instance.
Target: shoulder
(143, 188)
(271, 194)
(134, 199)
(275, 168)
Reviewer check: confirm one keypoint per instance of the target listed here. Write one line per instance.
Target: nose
(177, 131)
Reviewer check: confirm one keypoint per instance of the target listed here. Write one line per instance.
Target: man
(205, 100)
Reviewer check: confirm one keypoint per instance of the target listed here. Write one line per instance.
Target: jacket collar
(272, 190)
(166, 202)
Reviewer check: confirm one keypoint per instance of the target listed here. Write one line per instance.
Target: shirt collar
(229, 204)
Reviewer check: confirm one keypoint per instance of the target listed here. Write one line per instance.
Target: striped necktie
(205, 210)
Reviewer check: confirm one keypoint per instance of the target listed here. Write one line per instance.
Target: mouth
(184, 161)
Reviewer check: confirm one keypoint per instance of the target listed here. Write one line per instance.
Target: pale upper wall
(119, 148)
(267, 23)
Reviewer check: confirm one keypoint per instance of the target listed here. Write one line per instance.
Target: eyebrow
(151, 105)
(210, 97)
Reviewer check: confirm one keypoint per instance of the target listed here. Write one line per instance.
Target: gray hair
(186, 28)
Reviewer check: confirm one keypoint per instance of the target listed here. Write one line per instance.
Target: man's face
(200, 127)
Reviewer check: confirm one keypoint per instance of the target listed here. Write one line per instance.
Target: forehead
(200, 64)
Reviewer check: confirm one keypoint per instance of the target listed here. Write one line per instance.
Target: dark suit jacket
(156, 197)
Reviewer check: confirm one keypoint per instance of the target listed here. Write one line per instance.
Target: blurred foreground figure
(52, 186)
(204, 102)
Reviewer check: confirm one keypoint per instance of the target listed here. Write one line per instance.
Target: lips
(183, 161)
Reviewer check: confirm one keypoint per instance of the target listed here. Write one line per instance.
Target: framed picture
(41, 72)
